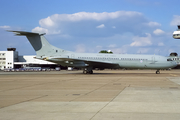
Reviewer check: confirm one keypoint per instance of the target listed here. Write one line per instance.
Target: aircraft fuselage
(139, 61)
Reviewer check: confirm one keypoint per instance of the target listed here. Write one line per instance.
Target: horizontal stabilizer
(23, 33)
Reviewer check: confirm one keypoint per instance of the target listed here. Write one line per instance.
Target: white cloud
(158, 32)
(44, 30)
(80, 16)
(101, 26)
(153, 24)
(5, 27)
(160, 44)
(40, 30)
(48, 22)
(175, 21)
(85, 23)
(142, 41)
(80, 48)
(112, 45)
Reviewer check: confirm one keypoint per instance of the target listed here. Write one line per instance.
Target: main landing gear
(88, 71)
(157, 72)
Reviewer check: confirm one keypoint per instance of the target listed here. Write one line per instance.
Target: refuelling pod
(176, 34)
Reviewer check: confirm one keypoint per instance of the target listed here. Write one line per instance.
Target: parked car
(21, 69)
(57, 68)
(7, 70)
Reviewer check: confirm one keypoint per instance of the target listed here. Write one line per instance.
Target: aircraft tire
(157, 72)
(86, 72)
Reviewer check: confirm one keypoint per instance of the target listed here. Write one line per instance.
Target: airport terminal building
(8, 58)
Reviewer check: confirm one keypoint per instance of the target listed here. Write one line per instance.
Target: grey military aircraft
(89, 61)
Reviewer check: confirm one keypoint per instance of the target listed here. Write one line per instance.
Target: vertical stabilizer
(40, 44)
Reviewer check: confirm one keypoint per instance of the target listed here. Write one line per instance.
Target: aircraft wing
(80, 62)
(102, 64)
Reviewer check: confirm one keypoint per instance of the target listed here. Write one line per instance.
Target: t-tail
(42, 47)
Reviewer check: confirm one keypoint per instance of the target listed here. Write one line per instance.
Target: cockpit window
(169, 59)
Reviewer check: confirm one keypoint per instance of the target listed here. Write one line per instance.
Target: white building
(11, 59)
(7, 58)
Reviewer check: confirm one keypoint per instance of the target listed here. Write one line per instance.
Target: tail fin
(40, 44)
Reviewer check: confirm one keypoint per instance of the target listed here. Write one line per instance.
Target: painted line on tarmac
(173, 75)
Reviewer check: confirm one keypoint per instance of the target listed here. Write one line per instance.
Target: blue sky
(123, 26)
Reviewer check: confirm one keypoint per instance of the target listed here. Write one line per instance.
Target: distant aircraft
(176, 34)
(89, 61)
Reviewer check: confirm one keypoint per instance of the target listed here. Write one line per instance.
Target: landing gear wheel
(87, 72)
(157, 72)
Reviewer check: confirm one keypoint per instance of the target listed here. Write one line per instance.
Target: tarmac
(104, 95)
